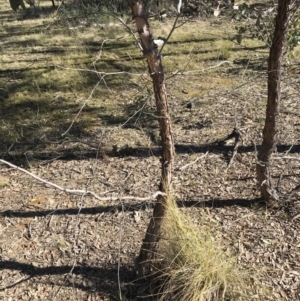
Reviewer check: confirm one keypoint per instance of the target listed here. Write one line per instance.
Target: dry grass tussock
(192, 265)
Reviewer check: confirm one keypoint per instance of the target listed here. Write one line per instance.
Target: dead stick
(83, 192)
(189, 164)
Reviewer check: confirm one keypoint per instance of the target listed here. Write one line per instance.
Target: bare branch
(135, 113)
(83, 192)
(170, 33)
(130, 31)
(20, 280)
(191, 163)
(91, 94)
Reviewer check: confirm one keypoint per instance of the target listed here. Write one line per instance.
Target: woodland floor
(59, 246)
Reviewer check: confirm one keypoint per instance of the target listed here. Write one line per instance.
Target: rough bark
(273, 104)
(156, 72)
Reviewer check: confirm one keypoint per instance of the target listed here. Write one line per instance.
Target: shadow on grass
(7, 14)
(33, 119)
(17, 30)
(35, 125)
(38, 103)
(40, 12)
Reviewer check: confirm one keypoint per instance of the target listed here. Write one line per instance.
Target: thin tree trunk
(272, 111)
(156, 72)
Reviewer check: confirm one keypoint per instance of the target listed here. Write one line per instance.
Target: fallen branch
(191, 163)
(83, 192)
(20, 280)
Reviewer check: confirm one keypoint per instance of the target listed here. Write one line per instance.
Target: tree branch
(83, 192)
(191, 163)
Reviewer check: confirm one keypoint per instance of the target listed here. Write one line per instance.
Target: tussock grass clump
(193, 266)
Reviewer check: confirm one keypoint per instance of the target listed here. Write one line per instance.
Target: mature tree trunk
(272, 111)
(157, 74)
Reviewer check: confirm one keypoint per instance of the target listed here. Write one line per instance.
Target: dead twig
(295, 217)
(130, 31)
(84, 104)
(191, 163)
(20, 280)
(170, 33)
(84, 192)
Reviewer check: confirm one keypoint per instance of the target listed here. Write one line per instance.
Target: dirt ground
(61, 246)
(58, 246)
(55, 246)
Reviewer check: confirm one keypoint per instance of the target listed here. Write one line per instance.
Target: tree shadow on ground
(81, 149)
(96, 279)
(129, 207)
(38, 105)
(36, 121)
(100, 279)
